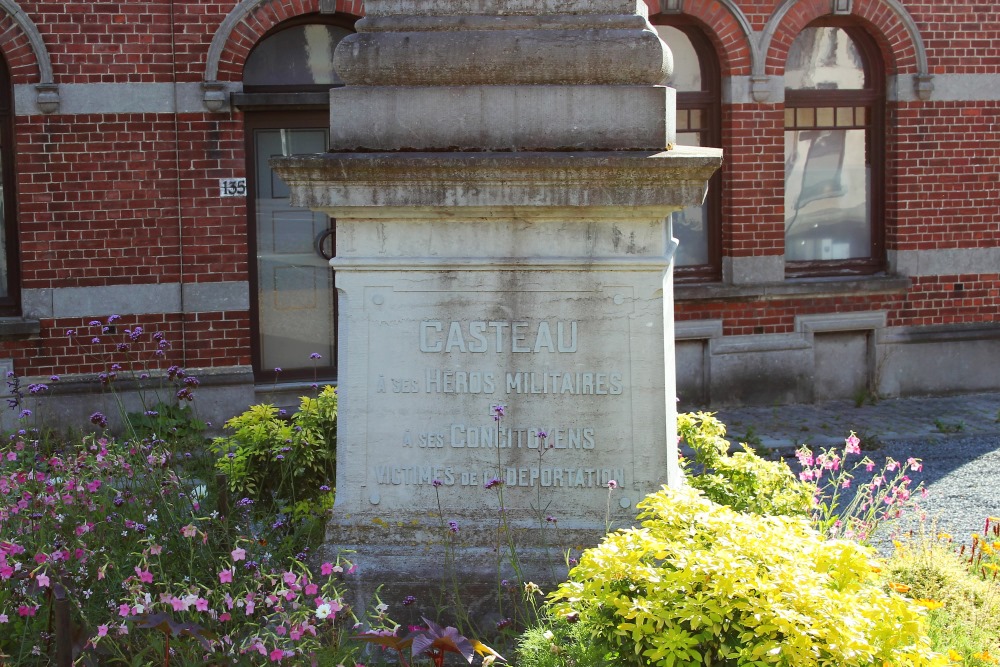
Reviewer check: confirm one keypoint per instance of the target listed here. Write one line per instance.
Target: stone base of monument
(539, 282)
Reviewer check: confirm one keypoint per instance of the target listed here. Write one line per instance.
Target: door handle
(320, 241)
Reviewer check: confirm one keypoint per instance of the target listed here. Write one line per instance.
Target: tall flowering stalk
(845, 510)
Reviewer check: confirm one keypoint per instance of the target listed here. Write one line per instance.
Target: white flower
(323, 611)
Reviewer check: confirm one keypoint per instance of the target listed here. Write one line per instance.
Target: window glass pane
(298, 56)
(824, 59)
(4, 290)
(824, 116)
(683, 123)
(827, 195)
(687, 68)
(295, 285)
(845, 116)
(690, 225)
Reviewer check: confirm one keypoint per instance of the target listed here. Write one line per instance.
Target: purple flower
(94, 323)
(70, 333)
(95, 340)
(54, 378)
(496, 481)
(35, 389)
(453, 526)
(315, 355)
(542, 434)
(612, 484)
(277, 369)
(114, 318)
(408, 600)
(437, 483)
(324, 487)
(498, 411)
(99, 419)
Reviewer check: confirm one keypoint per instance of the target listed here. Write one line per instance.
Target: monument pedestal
(539, 282)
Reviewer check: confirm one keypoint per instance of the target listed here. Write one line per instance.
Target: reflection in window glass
(687, 69)
(824, 59)
(4, 290)
(690, 225)
(298, 56)
(827, 194)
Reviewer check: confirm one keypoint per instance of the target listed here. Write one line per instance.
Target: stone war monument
(502, 174)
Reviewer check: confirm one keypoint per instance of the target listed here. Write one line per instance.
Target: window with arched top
(9, 266)
(287, 79)
(834, 152)
(696, 79)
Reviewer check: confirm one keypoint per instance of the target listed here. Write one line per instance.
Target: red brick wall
(113, 199)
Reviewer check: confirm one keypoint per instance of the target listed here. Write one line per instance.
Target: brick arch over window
(725, 24)
(892, 26)
(242, 29)
(26, 54)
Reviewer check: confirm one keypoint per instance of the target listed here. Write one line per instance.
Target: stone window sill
(798, 288)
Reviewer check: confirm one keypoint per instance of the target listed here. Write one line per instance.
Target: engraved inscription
(529, 476)
(498, 336)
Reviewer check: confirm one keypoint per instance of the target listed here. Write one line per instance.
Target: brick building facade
(851, 243)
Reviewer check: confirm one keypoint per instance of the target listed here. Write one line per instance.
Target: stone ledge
(792, 289)
(667, 180)
(19, 326)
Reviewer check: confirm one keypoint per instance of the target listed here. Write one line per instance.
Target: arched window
(697, 82)
(834, 146)
(286, 83)
(9, 267)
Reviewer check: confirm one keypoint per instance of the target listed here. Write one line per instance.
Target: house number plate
(232, 187)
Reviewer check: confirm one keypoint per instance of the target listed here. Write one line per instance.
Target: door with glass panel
(295, 302)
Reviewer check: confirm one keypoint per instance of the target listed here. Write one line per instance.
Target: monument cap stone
(505, 75)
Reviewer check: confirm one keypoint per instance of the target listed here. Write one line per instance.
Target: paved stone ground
(825, 424)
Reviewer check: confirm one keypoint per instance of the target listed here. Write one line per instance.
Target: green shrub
(700, 585)
(743, 481)
(959, 587)
(291, 461)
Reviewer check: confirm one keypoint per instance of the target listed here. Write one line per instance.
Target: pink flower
(224, 616)
(289, 578)
(189, 530)
(846, 484)
(43, 580)
(238, 554)
(92, 487)
(311, 589)
(155, 550)
(915, 465)
(124, 610)
(226, 576)
(102, 630)
(870, 465)
(276, 655)
(853, 444)
(11, 456)
(201, 604)
(145, 576)
(326, 569)
(891, 465)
